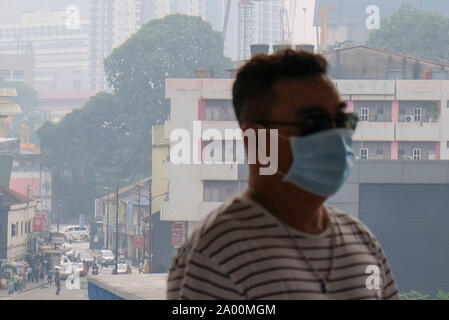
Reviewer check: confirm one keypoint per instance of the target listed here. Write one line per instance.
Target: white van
(76, 233)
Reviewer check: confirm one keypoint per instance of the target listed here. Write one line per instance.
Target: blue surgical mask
(321, 161)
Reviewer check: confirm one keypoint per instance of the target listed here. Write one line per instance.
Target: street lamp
(304, 9)
(116, 229)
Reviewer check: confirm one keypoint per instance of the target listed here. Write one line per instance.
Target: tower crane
(323, 12)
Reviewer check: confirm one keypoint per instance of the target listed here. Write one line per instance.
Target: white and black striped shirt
(241, 251)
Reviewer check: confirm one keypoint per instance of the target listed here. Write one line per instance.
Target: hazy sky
(298, 35)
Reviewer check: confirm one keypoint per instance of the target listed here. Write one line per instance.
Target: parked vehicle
(122, 268)
(106, 258)
(77, 233)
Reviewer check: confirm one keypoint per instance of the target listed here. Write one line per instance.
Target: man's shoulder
(231, 215)
(349, 222)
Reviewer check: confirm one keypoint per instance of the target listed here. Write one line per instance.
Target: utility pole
(116, 233)
(150, 256)
(304, 9)
(139, 228)
(107, 224)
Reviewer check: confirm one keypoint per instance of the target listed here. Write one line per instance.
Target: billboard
(178, 233)
(99, 209)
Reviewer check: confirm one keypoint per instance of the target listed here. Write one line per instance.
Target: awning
(8, 108)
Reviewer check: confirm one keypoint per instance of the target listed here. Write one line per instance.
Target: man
(278, 240)
(57, 282)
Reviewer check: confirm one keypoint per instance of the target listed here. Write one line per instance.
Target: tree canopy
(109, 139)
(413, 32)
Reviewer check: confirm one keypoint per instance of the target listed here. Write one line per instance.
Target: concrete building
(112, 22)
(199, 188)
(352, 20)
(54, 105)
(401, 102)
(61, 54)
(16, 223)
(17, 67)
(266, 21)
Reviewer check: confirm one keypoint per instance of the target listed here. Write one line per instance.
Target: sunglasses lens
(316, 124)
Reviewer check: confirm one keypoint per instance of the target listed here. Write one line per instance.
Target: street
(49, 293)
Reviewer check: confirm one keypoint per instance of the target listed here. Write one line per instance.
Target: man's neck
(295, 207)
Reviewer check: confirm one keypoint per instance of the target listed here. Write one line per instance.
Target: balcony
(219, 171)
(221, 126)
(413, 131)
(374, 131)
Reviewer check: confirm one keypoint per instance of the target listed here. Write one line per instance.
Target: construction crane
(323, 12)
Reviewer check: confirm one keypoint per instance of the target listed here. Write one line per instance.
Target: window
(21, 228)
(13, 230)
(363, 153)
(416, 154)
(380, 152)
(364, 114)
(219, 191)
(76, 85)
(418, 114)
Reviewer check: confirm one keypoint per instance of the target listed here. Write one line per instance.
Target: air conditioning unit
(409, 118)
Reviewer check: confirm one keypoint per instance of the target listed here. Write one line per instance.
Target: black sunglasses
(314, 123)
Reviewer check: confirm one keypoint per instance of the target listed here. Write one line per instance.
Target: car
(76, 233)
(86, 256)
(122, 268)
(106, 257)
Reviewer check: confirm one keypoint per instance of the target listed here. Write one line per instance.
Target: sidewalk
(28, 287)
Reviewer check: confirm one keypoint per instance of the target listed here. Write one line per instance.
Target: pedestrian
(41, 276)
(49, 277)
(278, 240)
(29, 272)
(10, 286)
(57, 282)
(15, 279)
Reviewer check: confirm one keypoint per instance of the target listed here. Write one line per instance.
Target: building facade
(400, 119)
(16, 224)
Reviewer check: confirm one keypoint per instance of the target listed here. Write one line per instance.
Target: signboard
(138, 242)
(82, 220)
(99, 209)
(178, 233)
(129, 217)
(40, 222)
(37, 224)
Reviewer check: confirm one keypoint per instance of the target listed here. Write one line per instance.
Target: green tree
(109, 139)
(413, 32)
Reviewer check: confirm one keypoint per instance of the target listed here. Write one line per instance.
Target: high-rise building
(112, 22)
(61, 53)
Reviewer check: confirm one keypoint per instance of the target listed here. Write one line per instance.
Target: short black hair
(252, 90)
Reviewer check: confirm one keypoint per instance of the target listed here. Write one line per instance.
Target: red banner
(40, 222)
(37, 224)
(138, 242)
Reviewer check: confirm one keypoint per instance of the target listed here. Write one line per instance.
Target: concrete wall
(20, 214)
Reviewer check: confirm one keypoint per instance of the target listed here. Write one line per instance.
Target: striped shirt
(241, 251)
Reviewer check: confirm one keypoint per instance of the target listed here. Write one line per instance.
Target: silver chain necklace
(324, 283)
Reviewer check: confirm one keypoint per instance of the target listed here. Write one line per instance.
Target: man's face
(294, 100)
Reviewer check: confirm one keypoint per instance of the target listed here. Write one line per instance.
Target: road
(49, 293)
